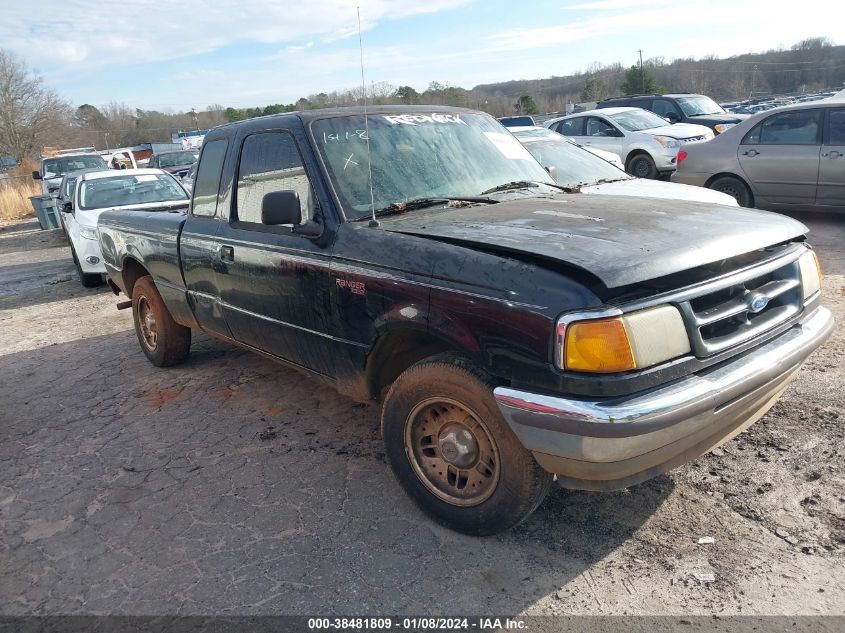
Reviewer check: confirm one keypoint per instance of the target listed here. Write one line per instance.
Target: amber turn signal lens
(598, 346)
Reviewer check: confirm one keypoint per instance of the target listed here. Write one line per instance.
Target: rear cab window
(207, 183)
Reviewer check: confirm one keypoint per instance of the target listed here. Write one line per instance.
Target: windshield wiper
(396, 208)
(523, 184)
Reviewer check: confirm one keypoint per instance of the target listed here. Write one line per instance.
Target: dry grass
(16, 190)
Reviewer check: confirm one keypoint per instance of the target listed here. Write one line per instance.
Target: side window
(207, 183)
(798, 127)
(597, 127)
(270, 161)
(663, 107)
(836, 127)
(570, 127)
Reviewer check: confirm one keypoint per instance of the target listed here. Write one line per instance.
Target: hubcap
(147, 322)
(452, 452)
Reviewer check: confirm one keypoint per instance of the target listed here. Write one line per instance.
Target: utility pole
(753, 78)
(642, 72)
(195, 118)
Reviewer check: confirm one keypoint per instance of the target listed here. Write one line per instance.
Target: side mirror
(36, 175)
(552, 171)
(281, 207)
(67, 207)
(672, 117)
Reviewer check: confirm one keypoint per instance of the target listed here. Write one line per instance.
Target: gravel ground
(232, 485)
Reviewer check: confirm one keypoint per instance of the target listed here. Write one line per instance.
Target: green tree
(233, 114)
(525, 105)
(407, 95)
(640, 81)
(594, 90)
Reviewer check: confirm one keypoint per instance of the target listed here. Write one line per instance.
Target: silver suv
(647, 144)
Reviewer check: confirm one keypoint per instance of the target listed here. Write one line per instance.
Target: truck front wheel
(453, 452)
(164, 341)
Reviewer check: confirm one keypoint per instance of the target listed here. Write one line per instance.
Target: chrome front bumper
(614, 443)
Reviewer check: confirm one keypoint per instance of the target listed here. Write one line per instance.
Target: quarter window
(270, 161)
(207, 183)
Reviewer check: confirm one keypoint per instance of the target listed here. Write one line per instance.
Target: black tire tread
(520, 494)
(174, 340)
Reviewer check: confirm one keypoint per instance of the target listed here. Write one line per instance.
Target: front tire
(642, 166)
(89, 280)
(162, 340)
(735, 188)
(453, 452)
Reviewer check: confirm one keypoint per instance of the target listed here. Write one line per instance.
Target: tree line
(33, 116)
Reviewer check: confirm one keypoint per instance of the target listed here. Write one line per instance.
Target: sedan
(787, 158)
(573, 167)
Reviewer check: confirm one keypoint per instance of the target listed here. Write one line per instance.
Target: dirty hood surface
(620, 240)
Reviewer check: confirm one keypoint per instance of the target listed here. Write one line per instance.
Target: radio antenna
(373, 221)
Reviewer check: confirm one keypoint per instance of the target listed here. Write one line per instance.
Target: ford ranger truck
(514, 332)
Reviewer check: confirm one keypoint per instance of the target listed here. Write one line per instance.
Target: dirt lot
(233, 485)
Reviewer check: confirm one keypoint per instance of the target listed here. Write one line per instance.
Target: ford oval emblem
(758, 303)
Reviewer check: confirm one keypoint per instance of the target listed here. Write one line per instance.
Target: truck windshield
(118, 191)
(60, 166)
(419, 155)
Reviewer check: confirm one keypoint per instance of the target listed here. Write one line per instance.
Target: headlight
(721, 127)
(89, 233)
(623, 343)
(811, 274)
(667, 141)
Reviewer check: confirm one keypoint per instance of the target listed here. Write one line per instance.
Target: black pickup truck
(514, 332)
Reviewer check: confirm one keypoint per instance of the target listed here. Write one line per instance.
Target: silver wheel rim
(452, 452)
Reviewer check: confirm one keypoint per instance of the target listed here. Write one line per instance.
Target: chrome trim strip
(672, 403)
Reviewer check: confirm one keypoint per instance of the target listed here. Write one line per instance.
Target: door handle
(226, 253)
(834, 154)
(750, 152)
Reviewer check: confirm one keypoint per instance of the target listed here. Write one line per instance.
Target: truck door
(274, 283)
(198, 242)
(831, 189)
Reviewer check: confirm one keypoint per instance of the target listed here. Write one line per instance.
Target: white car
(581, 170)
(98, 191)
(647, 144)
(610, 157)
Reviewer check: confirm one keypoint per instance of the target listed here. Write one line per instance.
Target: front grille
(743, 307)
(693, 139)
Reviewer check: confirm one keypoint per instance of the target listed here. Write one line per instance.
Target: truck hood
(620, 240)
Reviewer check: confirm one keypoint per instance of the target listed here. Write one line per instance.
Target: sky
(174, 56)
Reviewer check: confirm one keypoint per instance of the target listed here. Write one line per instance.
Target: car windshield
(69, 184)
(694, 106)
(572, 165)
(60, 166)
(418, 155)
(177, 158)
(117, 191)
(636, 120)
